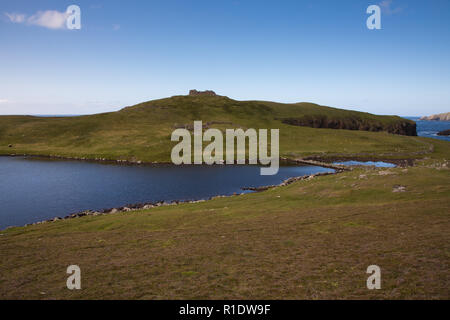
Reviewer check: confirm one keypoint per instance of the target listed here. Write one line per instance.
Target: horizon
(123, 107)
(286, 52)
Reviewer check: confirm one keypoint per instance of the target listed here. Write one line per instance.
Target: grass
(309, 240)
(142, 132)
(313, 239)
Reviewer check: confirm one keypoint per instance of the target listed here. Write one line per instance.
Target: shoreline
(311, 161)
(323, 161)
(150, 205)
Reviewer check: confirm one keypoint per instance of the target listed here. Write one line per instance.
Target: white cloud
(386, 7)
(50, 19)
(4, 100)
(15, 18)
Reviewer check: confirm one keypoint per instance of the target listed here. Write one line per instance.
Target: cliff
(402, 127)
(438, 117)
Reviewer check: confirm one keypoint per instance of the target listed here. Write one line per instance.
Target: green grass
(309, 240)
(312, 239)
(142, 132)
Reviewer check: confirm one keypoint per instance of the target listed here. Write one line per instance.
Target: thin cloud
(116, 27)
(386, 7)
(4, 100)
(50, 19)
(15, 18)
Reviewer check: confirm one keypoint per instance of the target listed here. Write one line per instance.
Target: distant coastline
(437, 117)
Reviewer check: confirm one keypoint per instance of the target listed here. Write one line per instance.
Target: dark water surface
(33, 190)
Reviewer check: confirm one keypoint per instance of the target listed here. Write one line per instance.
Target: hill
(142, 132)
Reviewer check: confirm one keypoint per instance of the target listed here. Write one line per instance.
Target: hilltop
(142, 132)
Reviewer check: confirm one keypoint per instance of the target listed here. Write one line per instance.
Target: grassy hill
(142, 132)
(313, 239)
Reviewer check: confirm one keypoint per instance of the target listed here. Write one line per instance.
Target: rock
(444, 133)
(114, 210)
(202, 93)
(438, 117)
(385, 173)
(402, 127)
(362, 176)
(399, 188)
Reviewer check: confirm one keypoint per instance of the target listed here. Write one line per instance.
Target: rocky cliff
(438, 117)
(402, 127)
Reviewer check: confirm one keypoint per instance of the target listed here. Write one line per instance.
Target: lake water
(431, 128)
(33, 190)
(379, 164)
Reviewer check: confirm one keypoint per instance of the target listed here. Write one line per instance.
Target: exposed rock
(399, 188)
(444, 133)
(438, 117)
(402, 127)
(202, 93)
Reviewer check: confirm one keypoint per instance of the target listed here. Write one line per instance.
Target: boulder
(444, 133)
(399, 188)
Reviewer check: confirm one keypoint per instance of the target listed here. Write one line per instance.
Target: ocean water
(431, 128)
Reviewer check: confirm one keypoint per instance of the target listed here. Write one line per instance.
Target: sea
(429, 129)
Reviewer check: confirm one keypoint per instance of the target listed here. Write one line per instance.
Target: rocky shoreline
(150, 205)
(127, 208)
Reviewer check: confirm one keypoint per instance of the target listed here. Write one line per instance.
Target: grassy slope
(142, 132)
(312, 239)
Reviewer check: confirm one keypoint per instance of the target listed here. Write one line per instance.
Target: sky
(132, 51)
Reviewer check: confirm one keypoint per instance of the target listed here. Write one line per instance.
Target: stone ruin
(202, 93)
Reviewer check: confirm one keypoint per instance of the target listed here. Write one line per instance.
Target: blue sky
(289, 51)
